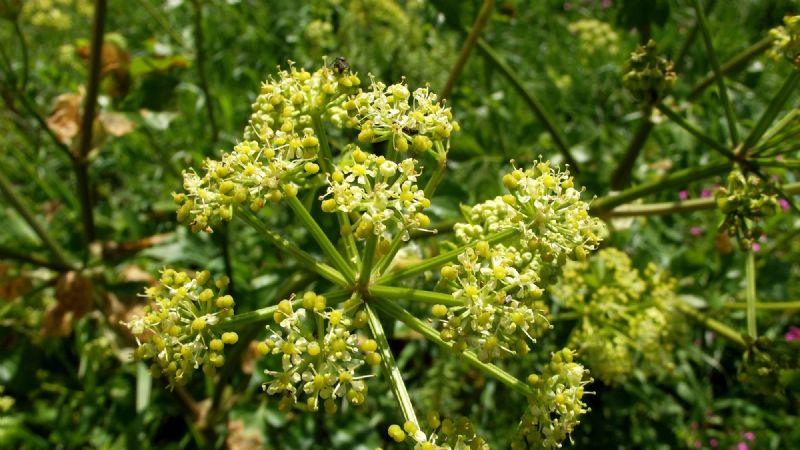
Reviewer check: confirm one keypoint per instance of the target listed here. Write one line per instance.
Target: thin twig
(469, 44)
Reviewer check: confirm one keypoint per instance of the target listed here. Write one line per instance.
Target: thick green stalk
(694, 131)
(22, 208)
(398, 313)
(713, 325)
(390, 367)
(784, 163)
(676, 179)
(369, 257)
(436, 261)
(319, 235)
(732, 65)
(414, 295)
(665, 208)
(326, 160)
(773, 109)
(533, 102)
(750, 293)
(24, 48)
(324, 270)
(712, 57)
(436, 176)
(771, 306)
(469, 44)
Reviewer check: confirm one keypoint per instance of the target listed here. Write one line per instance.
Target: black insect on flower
(341, 65)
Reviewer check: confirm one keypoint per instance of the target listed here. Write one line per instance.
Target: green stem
(469, 44)
(436, 261)
(694, 131)
(26, 257)
(712, 57)
(435, 230)
(750, 293)
(390, 367)
(322, 239)
(775, 106)
(369, 257)
(774, 130)
(22, 208)
(29, 106)
(671, 181)
(200, 56)
(783, 163)
(24, 45)
(263, 315)
(414, 295)
(713, 325)
(776, 306)
(165, 26)
(324, 270)
(81, 164)
(326, 160)
(386, 260)
(533, 102)
(732, 65)
(622, 174)
(438, 173)
(432, 335)
(665, 208)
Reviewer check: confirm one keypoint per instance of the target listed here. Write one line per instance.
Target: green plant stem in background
(436, 261)
(414, 295)
(322, 239)
(386, 260)
(769, 306)
(81, 163)
(324, 270)
(694, 131)
(159, 18)
(326, 160)
(391, 370)
(24, 50)
(469, 44)
(369, 255)
(679, 178)
(684, 206)
(27, 257)
(750, 293)
(398, 313)
(621, 176)
(775, 106)
(712, 57)
(533, 102)
(713, 325)
(202, 78)
(436, 176)
(732, 65)
(22, 208)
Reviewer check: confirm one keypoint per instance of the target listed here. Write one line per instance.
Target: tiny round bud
(439, 310)
(230, 338)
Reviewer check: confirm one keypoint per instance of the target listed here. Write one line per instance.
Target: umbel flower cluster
(320, 353)
(511, 248)
(177, 332)
(555, 408)
(746, 201)
(444, 434)
(627, 321)
(595, 37)
(786, 40)
(500, 285)
(647, 76)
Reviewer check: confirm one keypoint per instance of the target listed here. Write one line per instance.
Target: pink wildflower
(792, 335)
(683, 195)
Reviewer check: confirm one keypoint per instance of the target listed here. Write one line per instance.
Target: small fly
(341, 65)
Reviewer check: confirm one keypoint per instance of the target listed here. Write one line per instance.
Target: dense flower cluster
(380, 194)
(501, 313)
(555, 408)
(745, 201)
(177, 332)
(320, 354)
(648, 76)
(410, 120)
(786, 40)
(500, 285)
(595, 36)
(445, 434)
(628, 320)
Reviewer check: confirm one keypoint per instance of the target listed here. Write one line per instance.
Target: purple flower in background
(698, 445)
(749, 436)
(741, 446)
(683, 195)
(705, 193)
(756, 247)
(792, 335)
(605, 4)
(567, 6)
(713, 443)
(784, 203)
(696, 231)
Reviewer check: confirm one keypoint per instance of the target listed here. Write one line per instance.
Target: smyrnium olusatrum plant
(485, 294)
